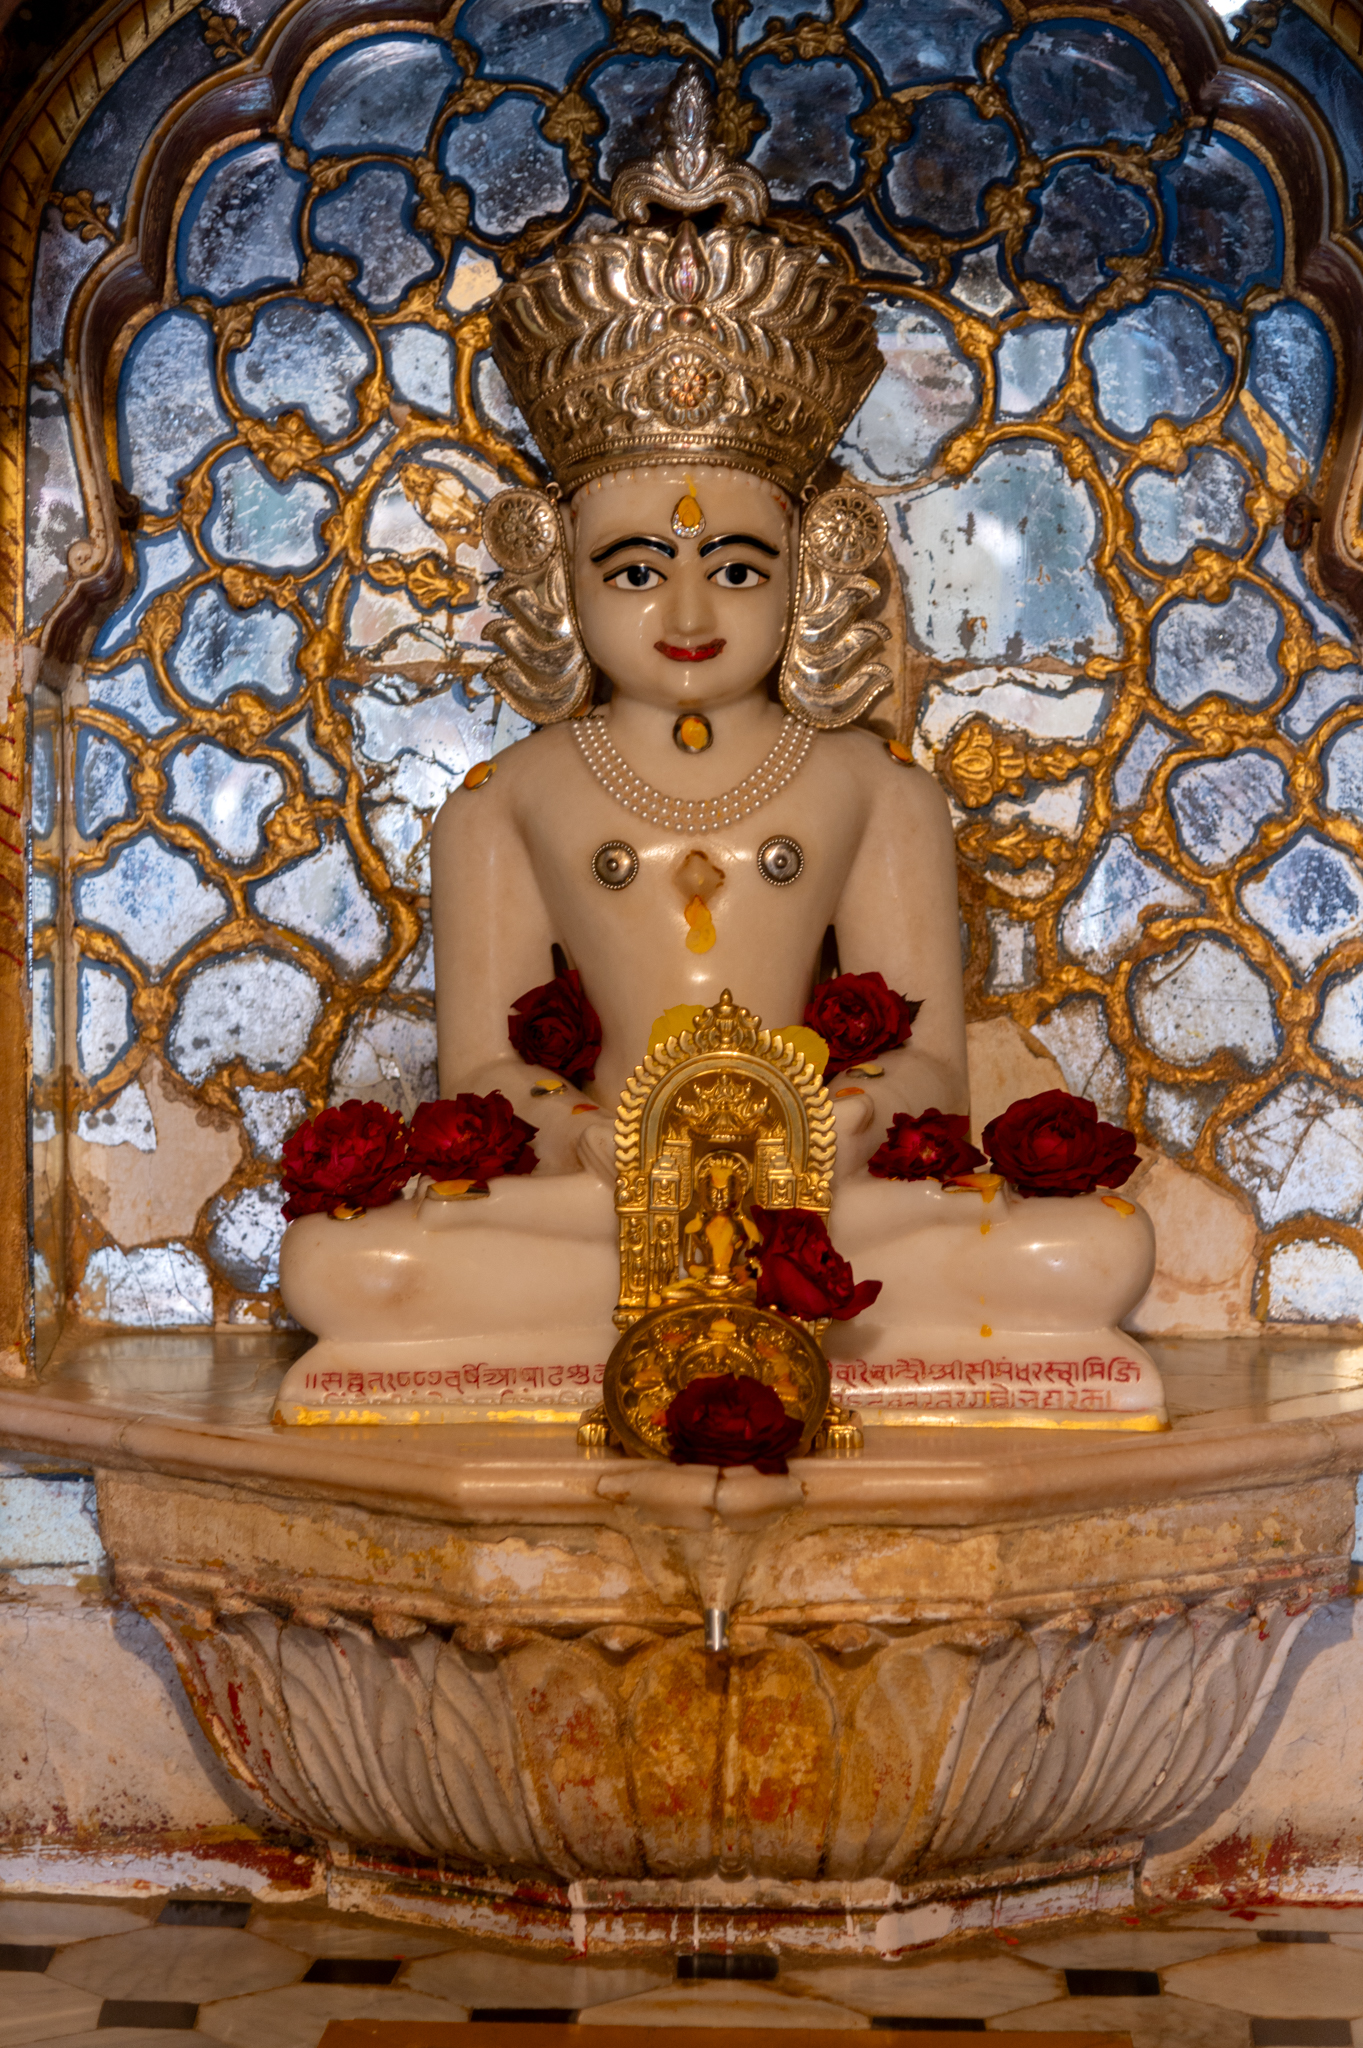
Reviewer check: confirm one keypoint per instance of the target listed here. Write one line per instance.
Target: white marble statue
(701, 828)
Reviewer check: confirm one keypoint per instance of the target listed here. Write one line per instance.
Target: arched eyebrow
(635, 540)
(733, 540)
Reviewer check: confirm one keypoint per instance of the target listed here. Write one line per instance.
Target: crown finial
(691, 171)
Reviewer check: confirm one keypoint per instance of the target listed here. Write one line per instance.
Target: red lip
(705, 653)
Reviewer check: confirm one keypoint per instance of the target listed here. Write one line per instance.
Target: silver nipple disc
(615, 864)
(780, 861)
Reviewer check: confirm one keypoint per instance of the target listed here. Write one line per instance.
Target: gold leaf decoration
(81, 211)
(443, 213)
(285, 445)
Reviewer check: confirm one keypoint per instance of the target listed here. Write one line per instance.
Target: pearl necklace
(683, 814)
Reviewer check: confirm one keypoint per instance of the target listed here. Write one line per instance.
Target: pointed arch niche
(246, 256)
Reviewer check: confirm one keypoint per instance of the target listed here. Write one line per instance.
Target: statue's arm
(493, 941)
(899, 914)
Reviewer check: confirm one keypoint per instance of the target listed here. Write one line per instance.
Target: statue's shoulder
(884, 775)
(516, 770)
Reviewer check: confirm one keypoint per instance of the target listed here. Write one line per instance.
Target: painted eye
(636, 576)
(738, 576)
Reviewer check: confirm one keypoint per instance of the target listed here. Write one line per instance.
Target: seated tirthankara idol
(701, 829)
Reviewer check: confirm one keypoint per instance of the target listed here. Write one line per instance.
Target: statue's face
(676, 622)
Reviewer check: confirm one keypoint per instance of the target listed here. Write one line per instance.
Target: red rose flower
(555, 1026)
(1054, 1144)
(353, 1157)
(932, 1146)
(802, 1275)
(725, 1420)
(858, 1016)
(471, 1137)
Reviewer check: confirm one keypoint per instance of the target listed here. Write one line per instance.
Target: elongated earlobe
(830, 675)
(543, 671)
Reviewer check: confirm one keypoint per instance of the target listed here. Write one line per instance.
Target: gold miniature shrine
(719, 1119)
(724, 1116)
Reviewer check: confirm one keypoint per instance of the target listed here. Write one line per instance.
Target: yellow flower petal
(680, 1017)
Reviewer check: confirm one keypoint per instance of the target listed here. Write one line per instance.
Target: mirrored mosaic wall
(1107, 399)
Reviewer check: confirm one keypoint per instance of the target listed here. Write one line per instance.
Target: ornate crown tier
(660, 345)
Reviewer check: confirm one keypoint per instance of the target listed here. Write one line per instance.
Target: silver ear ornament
(829, 674)
(543, 671)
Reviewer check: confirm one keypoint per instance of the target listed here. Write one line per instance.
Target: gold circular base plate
(683, 1341)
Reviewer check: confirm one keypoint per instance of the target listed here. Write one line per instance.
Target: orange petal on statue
(701, 935)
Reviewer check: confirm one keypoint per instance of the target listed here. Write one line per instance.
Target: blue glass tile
(871, 249)
(349, 467)
(1223, 650)
(1319, 693)
(245, 1233)
(239, 232)
(62, 261)
(228, 798)
(1308, 898)
(996, 567)
(1344, 773)
(320, 773)
(507, 164)
(323, 898)
(1309, 54)
(981, 285)
(104, 1018)
(808, 107)
(1102, 921)
(543, 40)
(1031, 363)
(161, 562)
(1223, 222)
(498, 408)
(1201, 998)
(913, 41)
(272, 525)
(43, 794)
(420, 364)
(1220, 806)
(103, 792)
(256, 1008)
(104, 155)
(1277, 560)
(169, 411)
(221, 649)
(302, 358)
(152, 898)
(130, 693)
(629, 92)
(42, 896)
(926, 392)
(1176, 513)
(1148, 746)
(1292, 372)
(382, 93)
(1076, 83)
(1299, 1152)
(1086, 216)
(1161, 357)
(1175, 1117)
(370, 219)
(54, 507)
(938, 178)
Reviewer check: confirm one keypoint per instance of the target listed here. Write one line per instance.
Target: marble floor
(149, 1974)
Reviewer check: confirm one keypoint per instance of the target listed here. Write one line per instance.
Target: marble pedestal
(471, 1667)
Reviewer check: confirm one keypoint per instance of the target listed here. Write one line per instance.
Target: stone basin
(471, 1662)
